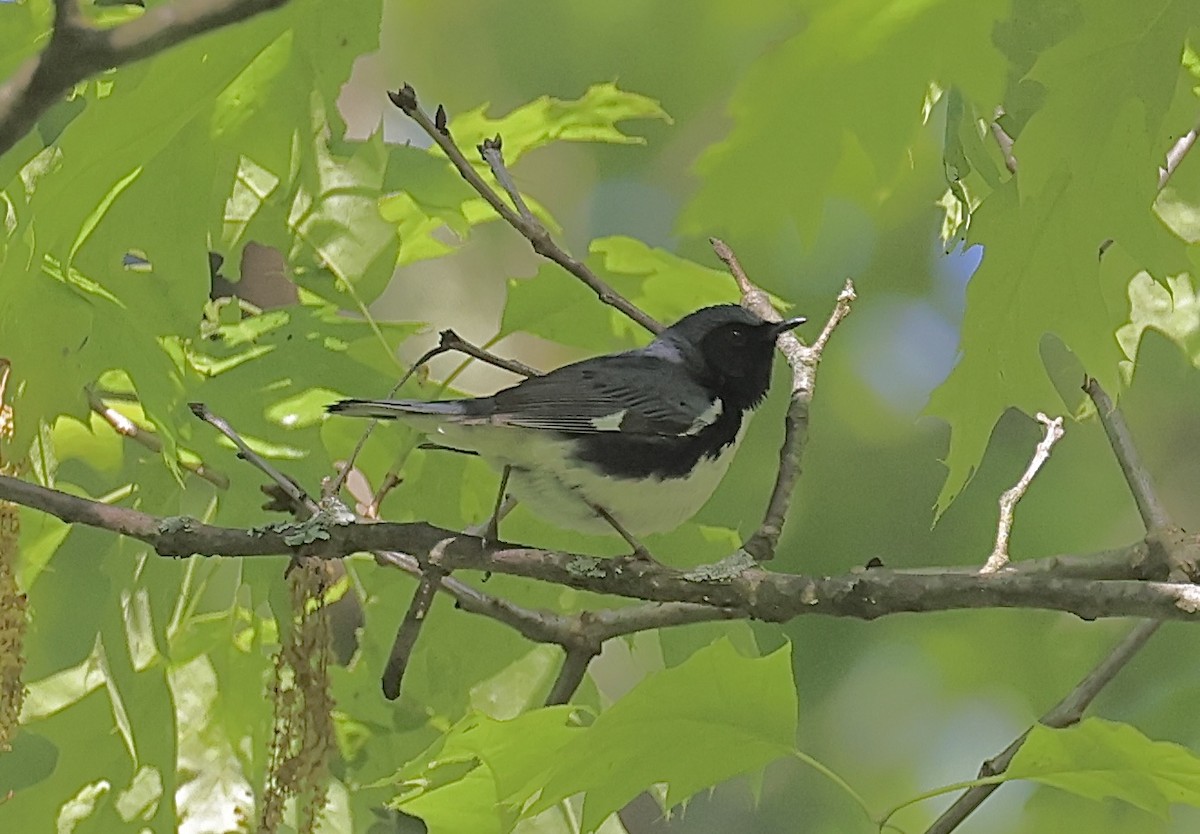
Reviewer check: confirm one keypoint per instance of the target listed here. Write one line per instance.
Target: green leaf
(46, 325)
(715, 716)
(1036, 277)
(82, 210)
(94, 442)
(431, 194)
(86, 725)
(272, 375)
(457, 801)
(592, 117)
(1174, 310)
(93, 219)
(24, 30)
(435, 189)
(142, 167)
(334, 221)
(1100, 759)
(810, 119)
(558, 307)
(41, 536)
(669, 286)
(1088, 157)
(459, 783)
(519, 686)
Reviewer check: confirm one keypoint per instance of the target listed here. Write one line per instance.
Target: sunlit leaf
(1100, 759)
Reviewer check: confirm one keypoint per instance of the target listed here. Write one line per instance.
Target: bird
(633, 442)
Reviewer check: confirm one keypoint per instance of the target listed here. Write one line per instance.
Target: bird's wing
(627, 393)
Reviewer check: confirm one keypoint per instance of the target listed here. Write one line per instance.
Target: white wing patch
(706, 418)
(609, 422)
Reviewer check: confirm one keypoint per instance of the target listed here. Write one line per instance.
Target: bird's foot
(491, 532)
(640, 557)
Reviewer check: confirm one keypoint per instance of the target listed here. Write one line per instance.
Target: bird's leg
(640, 553)
(491, 533)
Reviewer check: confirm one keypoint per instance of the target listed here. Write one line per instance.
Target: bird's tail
(391, 409)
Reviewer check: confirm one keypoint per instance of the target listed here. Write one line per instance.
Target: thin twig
(449, 340)
(1141, 484)
(409, 631)
(493, 154)
(530, 228)
(845, 298)
(1066, 712)
(333, 485)
(125, 427)
(537, 625)
(1008, 501)
(803, 361)
(391, 480)
(292, 489)
(763, 543)
(754, 298)
(1176, 155)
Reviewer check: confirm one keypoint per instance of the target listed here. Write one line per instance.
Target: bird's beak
(786, 325)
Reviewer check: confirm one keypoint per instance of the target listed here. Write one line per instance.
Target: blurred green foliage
(822, 140)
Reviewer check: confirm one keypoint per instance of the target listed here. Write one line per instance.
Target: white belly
(562, 492)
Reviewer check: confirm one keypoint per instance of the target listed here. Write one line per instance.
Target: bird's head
(729, 348)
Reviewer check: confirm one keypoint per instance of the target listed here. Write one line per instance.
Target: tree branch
(1166, 544)
(571, 674)
(529, 227)
(1066, 712)
(1141, 484)
(544, 626)
(77, 50)
(753, 593)
(409, 631)
(803, 362)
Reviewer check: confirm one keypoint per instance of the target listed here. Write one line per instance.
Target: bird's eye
(737, 335)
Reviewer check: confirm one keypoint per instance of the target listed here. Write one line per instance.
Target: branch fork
(999, 558)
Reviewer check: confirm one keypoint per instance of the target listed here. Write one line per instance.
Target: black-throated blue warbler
(634, 441)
